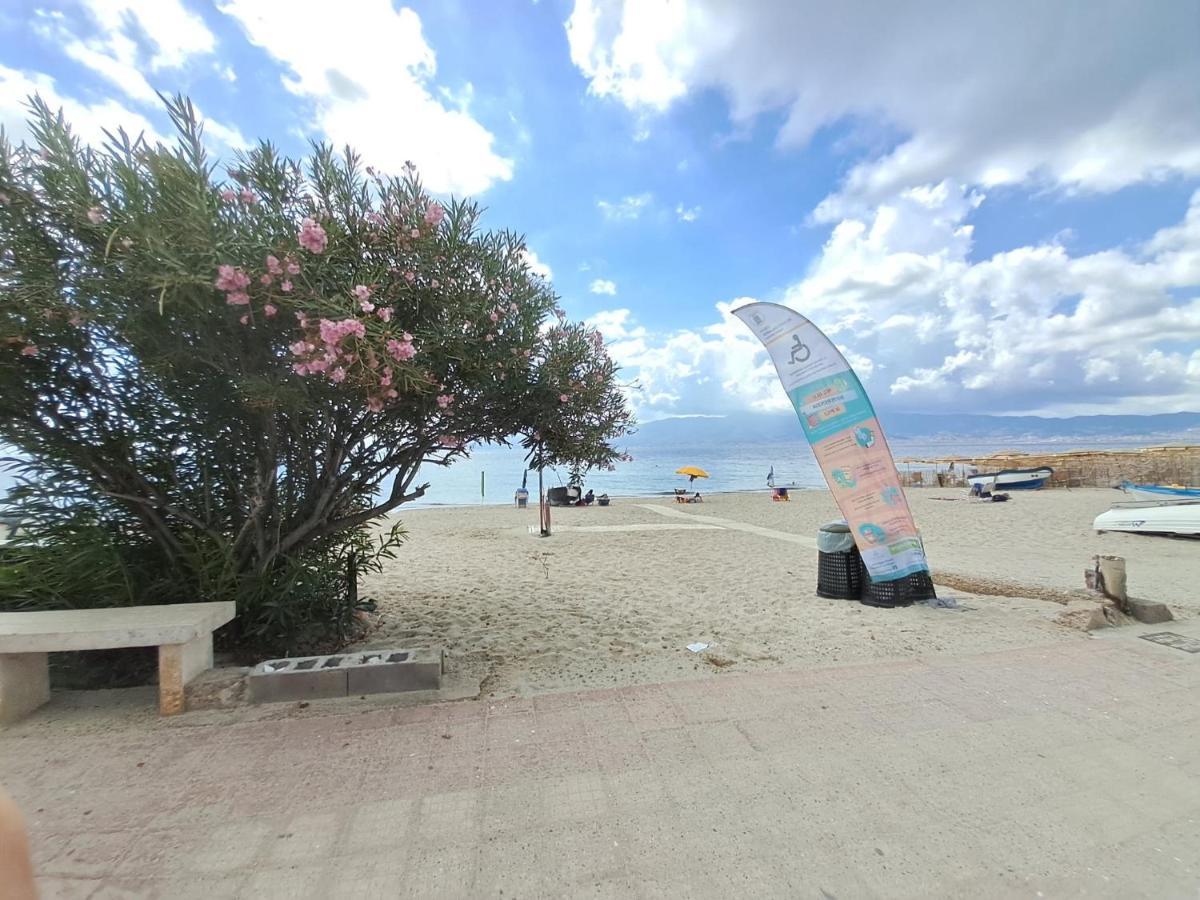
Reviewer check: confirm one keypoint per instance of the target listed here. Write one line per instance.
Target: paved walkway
(1063, 771)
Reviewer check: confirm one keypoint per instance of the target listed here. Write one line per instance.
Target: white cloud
(626, 209)
(603, 286)
(224, 134)
(88, 120)
(1033, 329)
(687, 215)
(536, 266)
(370, 78)
(1093, 96)
(171, 34)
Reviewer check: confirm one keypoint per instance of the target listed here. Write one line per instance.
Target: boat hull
(1013, 479)
(1159, 492)
(1178, 518)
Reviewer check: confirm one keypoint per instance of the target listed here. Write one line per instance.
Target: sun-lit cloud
(603, 286)
(369, 80)
(626, 209)
(1011, 110)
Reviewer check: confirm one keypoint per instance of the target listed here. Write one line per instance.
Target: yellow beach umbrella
(692, 472)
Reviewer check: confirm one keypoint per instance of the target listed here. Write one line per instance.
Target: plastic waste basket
(839, 570)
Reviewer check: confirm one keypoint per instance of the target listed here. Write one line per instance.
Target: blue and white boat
(1012, 479)
(1160, 491)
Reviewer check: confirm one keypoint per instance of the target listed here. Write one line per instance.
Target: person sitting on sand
(589, 497)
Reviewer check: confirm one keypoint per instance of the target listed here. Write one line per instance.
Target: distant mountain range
(1164, 428)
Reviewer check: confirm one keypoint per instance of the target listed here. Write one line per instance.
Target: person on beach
(16, 866)
(589, 497)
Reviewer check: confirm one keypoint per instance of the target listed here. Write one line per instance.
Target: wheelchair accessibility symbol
(800, 351)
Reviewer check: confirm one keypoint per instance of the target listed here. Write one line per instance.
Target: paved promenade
(1060, 771)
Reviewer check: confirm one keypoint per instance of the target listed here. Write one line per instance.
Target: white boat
(1181, 517)
(1160, 491)
(1012, 479)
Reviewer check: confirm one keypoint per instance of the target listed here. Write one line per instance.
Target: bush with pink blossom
(235, 378)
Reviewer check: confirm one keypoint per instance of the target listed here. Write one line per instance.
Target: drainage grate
(1171, 639)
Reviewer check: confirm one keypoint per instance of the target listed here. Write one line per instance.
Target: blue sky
(989, 207)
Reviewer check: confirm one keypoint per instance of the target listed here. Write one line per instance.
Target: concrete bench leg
(177, 665)
(24, 684)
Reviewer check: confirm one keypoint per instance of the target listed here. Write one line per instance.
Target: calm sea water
(491, 474)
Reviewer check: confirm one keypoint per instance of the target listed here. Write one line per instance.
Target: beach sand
(616, 594)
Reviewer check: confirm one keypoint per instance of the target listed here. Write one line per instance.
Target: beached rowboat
(1160, 491)
(1176, 517)
(1012, 479)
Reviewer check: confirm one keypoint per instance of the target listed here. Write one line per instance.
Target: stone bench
(181, 631)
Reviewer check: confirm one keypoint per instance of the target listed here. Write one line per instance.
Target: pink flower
(434, 214)
(332, 333)
(537, 435)
(245, 320)
(312, 237)
(410, 277)
(489, 338)
(406, 336)
(238, 298)
(563, 398)
(528, 353)
(362, 292)
(95, 215)
(285, 286)
(231, 278)
(269, 310)
(293, 267)
(512, 307)
(434, 284)
(384, 313)
(273, 265)
(401, 350)
(264, 278)
(300, 348)
(247, 196)
(444, 400)
(416, 232)
(29, 350)
(495, 317)
(375, 404)
(375, 218)
(300, 368)
(338, 375)
(228, 196)
(367, 306)
(446, 440)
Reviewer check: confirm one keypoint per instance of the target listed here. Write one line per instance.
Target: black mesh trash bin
(901, 592)
(839, 573)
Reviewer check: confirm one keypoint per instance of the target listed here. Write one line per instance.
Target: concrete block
(1149, 611)
(302, 678)
(24, 684)
(393, 671)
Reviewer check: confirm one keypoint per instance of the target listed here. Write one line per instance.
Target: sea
(491, 474)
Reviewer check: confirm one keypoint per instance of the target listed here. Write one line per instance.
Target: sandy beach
(614, 597)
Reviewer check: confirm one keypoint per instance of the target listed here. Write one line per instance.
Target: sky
(989, 207)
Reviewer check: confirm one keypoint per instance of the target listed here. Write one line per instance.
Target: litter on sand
(697, 647)
(943, 602)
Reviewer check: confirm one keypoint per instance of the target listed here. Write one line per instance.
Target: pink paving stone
(836, 780)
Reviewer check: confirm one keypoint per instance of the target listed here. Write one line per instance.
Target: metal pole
(482, 481)
(542, 505)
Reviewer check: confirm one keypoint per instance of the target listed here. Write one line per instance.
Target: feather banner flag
(840, 424)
